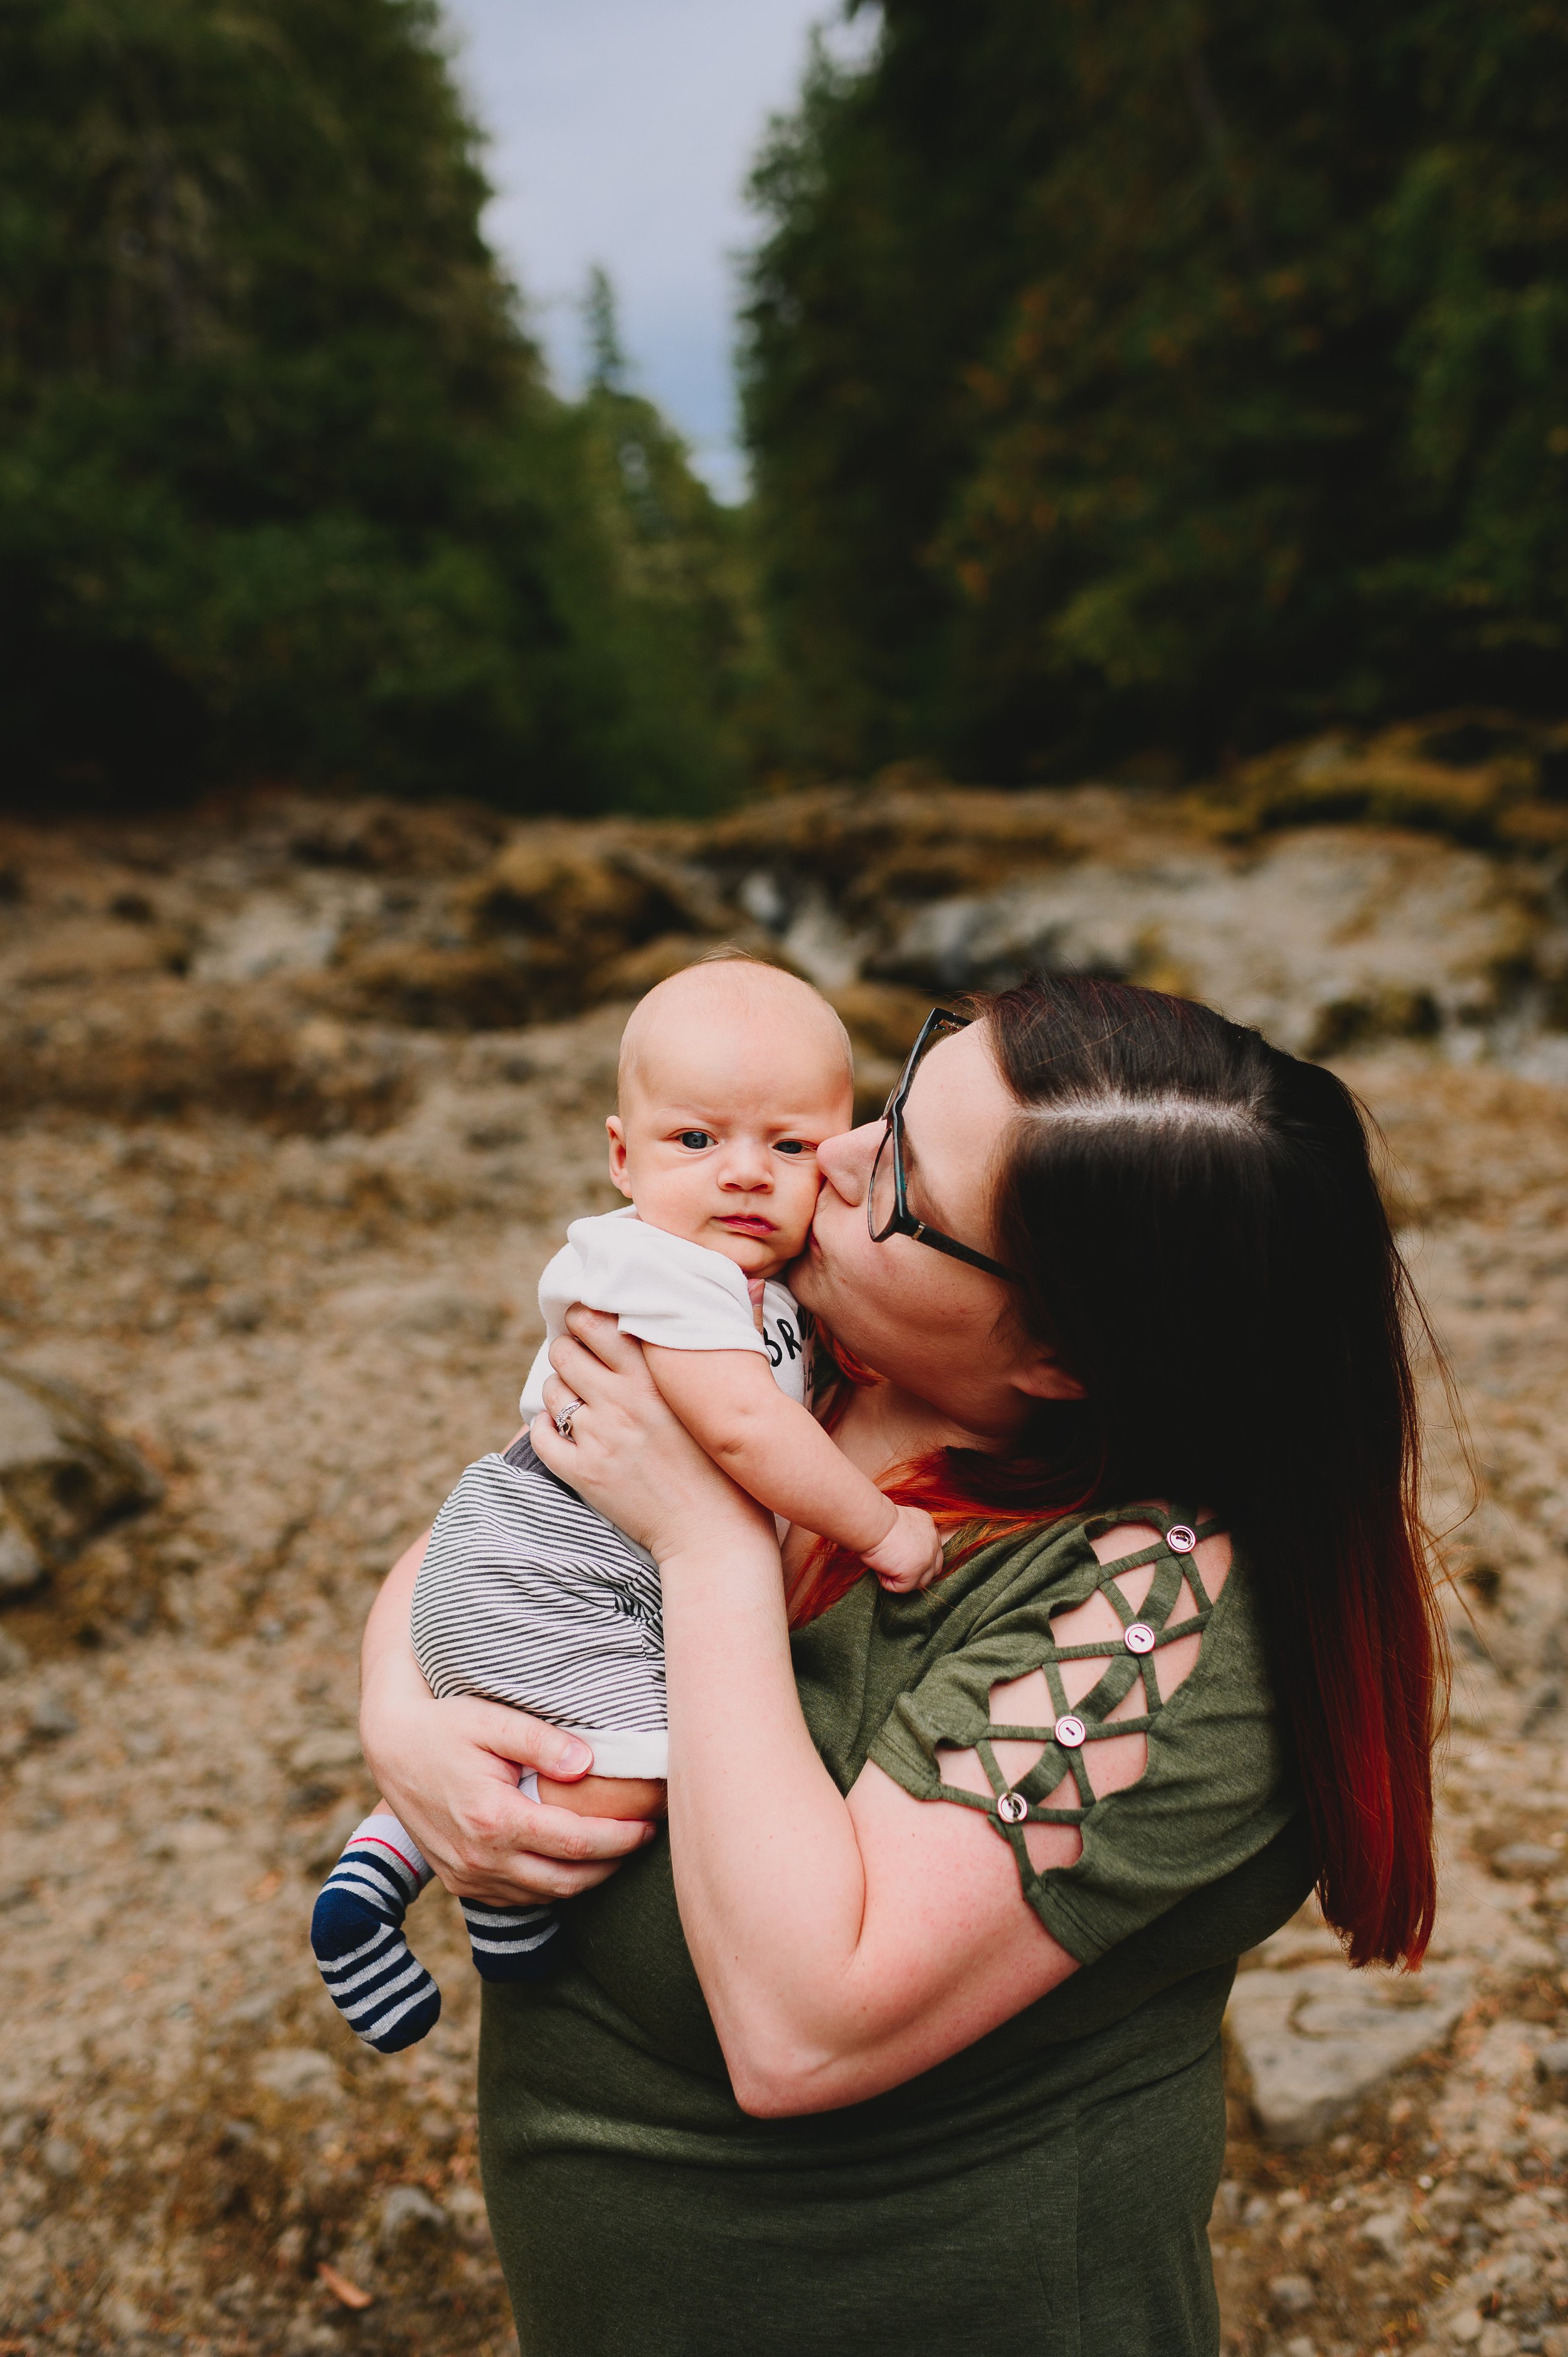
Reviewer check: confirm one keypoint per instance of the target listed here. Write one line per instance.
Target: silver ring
(563, 1421)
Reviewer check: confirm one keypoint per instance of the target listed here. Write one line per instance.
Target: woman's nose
(845, 1161)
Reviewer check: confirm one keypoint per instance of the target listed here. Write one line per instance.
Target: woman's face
(933, 1326)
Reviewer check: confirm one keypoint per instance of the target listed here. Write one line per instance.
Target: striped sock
(377, 1983)
(512, 1944)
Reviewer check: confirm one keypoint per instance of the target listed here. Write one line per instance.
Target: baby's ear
(617, 1129)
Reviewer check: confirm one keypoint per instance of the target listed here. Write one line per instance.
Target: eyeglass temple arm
(955, 1250)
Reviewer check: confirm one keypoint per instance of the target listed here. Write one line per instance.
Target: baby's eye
(696, 1139)
(793, 1145)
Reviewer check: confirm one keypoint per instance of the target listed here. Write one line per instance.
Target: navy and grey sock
(372, 1976)
(512, 1944)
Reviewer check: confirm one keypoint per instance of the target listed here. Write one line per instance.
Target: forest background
(1124, 384)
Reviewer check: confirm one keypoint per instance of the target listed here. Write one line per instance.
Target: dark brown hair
(1200, 1242)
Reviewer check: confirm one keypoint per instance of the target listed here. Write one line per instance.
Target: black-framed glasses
(887, 1211)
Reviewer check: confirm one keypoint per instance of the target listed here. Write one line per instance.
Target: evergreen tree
(681, 562)
(607, 356)
(1121, 376)
(282, 486)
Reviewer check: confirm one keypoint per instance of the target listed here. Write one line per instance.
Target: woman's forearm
(388, 1669)
(768, 1867)
(844, 1944)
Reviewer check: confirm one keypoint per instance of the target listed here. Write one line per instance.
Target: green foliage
(606, 356)
(1121, 377)
(282, 487)
(679, 572)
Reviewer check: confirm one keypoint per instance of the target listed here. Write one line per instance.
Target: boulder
(1323, 939)
(64, 1476)
(567, 903)
(434, 987)
(1472, 776)
(1318, 2039)
(269, 933)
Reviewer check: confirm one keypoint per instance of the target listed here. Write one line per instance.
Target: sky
(622, 132)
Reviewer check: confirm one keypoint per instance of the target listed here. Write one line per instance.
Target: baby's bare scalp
(738, 991)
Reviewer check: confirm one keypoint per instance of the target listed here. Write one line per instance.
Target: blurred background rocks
(290, 960)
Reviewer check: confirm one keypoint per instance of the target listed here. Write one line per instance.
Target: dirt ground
(289, 1238)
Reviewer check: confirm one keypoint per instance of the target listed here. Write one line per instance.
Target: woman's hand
(629, 1454)
(450, 1770)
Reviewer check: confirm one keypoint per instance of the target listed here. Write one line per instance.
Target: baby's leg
(372, 1976)
(626, 1797)
(521, 1943)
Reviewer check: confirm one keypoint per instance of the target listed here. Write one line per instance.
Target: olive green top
(985, 2206)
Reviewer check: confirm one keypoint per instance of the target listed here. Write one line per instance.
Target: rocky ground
(295, 1103)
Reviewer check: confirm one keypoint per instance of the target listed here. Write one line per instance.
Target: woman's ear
(1040, 1376)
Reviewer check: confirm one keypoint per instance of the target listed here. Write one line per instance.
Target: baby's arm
(778, 1452)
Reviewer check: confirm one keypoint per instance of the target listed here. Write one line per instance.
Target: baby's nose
(745, 1166)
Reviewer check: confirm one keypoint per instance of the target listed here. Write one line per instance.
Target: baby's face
(717, 1134)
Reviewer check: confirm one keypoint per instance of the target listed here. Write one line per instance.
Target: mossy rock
(64, 1476)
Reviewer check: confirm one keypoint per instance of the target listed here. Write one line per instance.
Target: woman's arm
(450, 1770)
(843, 1944)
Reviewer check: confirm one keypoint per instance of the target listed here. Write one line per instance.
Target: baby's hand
(911, 1554)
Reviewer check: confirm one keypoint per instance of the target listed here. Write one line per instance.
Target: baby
(731, 1075)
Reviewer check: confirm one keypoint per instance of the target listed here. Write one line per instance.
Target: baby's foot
(372, 1976)
(911, 1554)
(512, 1944)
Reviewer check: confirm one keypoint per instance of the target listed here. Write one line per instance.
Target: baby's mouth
(747, 1223)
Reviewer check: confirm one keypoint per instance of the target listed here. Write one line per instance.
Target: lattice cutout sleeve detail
(1123, 1670)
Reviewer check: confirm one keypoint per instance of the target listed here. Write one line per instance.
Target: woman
(908, 2031)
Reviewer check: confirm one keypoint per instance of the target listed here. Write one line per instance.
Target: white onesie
(526, 1595)
(664, 1290)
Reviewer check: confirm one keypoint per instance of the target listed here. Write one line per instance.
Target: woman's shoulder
(1025, 1579)
(1132, 1620)
(1106, 1675)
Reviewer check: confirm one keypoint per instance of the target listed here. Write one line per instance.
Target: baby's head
(731, 1075)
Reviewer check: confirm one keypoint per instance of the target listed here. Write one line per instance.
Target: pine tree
(282, 485)
(1121, 377)
(681, 563)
